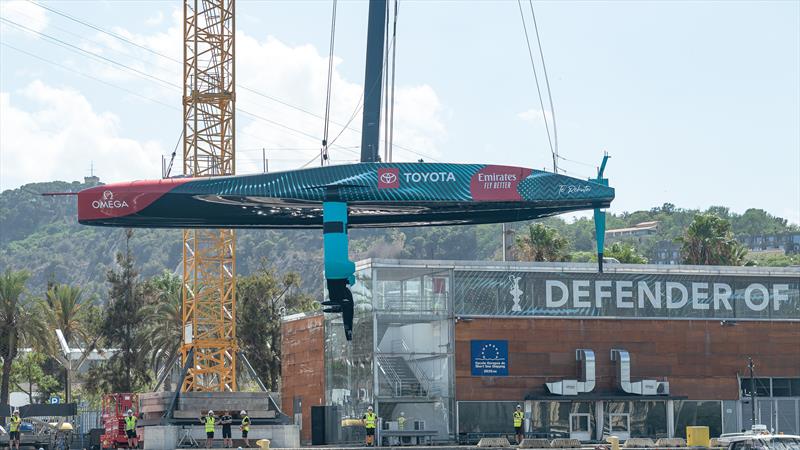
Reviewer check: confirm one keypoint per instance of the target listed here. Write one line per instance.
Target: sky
(698, 103)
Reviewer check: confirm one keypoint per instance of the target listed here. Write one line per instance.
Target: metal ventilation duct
(575, 387)
(643, 387)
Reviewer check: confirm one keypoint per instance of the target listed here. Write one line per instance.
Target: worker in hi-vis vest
(245, 427)
(13, 430)
(519, 416)
(370, 420)
(209, 420)
(130, 429)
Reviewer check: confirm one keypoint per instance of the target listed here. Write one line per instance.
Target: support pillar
(671, 418)
(599, 418)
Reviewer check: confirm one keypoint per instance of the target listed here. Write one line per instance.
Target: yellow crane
(209, 256)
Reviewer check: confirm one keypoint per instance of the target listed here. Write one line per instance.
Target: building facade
(637, 351)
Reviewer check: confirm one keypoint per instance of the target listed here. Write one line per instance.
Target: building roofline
(573, 267)
(302, 315)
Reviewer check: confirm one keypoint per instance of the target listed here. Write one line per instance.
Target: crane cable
(327, 120)
(538, 88)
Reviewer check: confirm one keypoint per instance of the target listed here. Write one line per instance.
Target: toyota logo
(388, 178)
(108, 195)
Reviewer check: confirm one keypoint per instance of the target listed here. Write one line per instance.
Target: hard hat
(402, 413)
(519, 406)
(210, 412)
(369, 408)
(16, 412)
(243, 412)
(130, 411)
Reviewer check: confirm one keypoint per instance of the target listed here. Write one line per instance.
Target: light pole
(752, 366)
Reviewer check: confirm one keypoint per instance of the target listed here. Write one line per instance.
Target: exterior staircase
(399, 377)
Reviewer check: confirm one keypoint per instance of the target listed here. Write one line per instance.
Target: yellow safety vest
(518, 415)
(209, 424)
(370, 419)
(15, 421)
(130, 423)
(246, 423)
(401, 423)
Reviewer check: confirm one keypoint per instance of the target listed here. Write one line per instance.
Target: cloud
(60, 135)
(68, 133)
(155, 20)
(535, 115)
(296, 75)
(25, 13)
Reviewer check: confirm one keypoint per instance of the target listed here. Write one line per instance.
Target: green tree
(440, 243)
(164, 321)
(262, 299)
(27, 371)
(709, 241)
(123, 328)
(65, 309)
(541, 243)
(625, 253)
(19, 323)
(757, 221)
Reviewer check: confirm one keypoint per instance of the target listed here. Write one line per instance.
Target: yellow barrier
(697, 437)
(263, 444)
(614, 441)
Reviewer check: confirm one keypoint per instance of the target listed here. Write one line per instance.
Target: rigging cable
(549, 91)
(385, 91)
(324, 155)
(538, 88)
(346, 127)
(394, 60)
(167, 83)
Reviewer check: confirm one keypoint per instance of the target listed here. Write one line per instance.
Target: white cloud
(535, 115)
(155, 20)
(25, 13)
(69, 137)
(296, 75)
(61, 134)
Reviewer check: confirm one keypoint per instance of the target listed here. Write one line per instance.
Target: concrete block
(565, 443)
(494, 442)
(166, 437)
(639, 443)
(534, 443)
(160, 437)
(671, 442)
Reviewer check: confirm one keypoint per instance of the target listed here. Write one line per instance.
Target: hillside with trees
(41, 235)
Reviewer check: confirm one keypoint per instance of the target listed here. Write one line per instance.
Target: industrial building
(638, 351)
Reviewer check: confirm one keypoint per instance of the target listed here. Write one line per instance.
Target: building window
(786, 387)
(762, 387)
(691, 413)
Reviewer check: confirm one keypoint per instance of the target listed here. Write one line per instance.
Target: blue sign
(54, 400)
(489, 358)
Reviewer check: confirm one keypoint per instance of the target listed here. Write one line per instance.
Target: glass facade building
(401, 356)
(415, 321)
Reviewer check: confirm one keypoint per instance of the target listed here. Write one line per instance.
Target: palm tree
(19, 323)
(541, 243)
(165, 321)
(709, 241)
(64, 309)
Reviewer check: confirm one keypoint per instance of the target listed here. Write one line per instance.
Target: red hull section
(122, 199)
